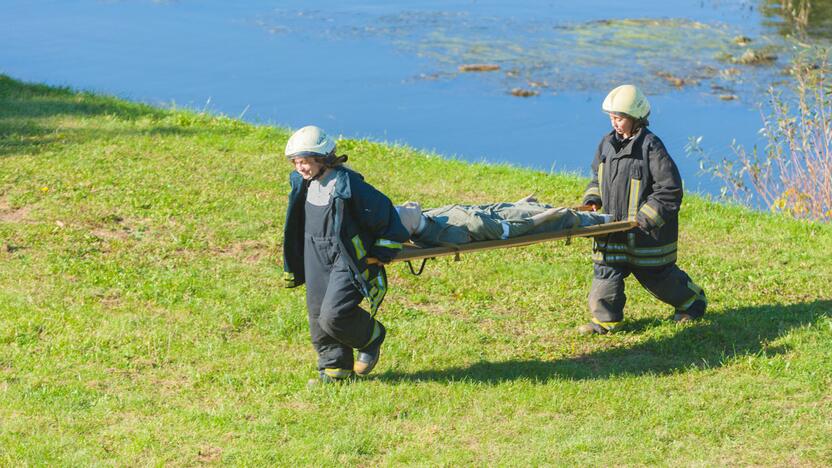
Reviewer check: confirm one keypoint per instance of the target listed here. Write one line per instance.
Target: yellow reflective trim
(608, 325)
(637, 261)
(374, 305)
(694, 287)
(638, 251)
(359, 247)
(366, 274)
(697, 295)
(601, 180)
(377, 292)
(686, 305)
(381, 293)
(388, 244)
(651, 213)
(374, 335)
(381, 288)
(632, 211)
(338, 373)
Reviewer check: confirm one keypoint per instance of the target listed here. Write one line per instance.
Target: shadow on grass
(38, 100)
(706, 344)
(25, 107)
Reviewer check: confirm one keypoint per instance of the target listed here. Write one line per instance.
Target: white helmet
(310, 141)
(628, 100)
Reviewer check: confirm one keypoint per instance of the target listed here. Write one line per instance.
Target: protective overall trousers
(336, 323)
(668, 284)
(635, 179)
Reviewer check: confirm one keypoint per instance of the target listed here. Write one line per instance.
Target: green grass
(142, 320)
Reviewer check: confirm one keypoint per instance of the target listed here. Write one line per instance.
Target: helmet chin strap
(319, 174)
(328, 162)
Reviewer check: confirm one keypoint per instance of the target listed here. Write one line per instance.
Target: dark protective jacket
(367, 224)
(636, 180)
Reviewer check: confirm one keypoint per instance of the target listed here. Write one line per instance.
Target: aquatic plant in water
(664, 54)
(792, 174)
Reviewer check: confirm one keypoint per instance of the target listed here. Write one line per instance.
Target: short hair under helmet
(628, 100)
(310, 142)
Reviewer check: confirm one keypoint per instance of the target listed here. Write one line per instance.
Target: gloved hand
(647, 226)
(593, 201)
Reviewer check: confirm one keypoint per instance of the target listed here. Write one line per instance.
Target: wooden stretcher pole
(411, 252)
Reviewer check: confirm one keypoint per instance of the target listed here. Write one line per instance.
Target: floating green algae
(658, 54)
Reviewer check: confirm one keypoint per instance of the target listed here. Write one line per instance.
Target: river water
(390, 71)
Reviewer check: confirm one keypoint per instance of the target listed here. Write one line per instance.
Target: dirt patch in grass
(9, 249)
(111, 302)
(209, 454)
(116, 228)
(169, 386)
(249, 251)
(110, 234)
(431, 307)
(13, 215)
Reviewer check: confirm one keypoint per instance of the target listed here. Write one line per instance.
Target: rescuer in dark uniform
(339, 232)
(634, 178)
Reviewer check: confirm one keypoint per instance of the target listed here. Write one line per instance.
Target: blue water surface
(389, 70)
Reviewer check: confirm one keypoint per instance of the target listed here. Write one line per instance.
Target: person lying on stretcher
(461, 224)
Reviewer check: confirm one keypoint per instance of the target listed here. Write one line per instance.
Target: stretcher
(413, 252)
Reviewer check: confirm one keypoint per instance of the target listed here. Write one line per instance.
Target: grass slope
(142, 319)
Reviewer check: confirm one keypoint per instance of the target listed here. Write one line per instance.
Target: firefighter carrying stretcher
(634, 178)
(335, 223)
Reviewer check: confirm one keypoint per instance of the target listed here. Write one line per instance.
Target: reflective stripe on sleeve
(654, 215)
(388, 244)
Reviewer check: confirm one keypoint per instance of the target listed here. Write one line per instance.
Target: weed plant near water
(793, 172)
